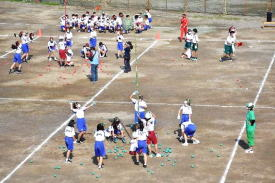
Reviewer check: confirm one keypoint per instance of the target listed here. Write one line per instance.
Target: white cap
(249, 105)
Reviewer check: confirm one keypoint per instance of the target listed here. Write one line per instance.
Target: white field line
(127, 103)
(11, 51)
(71, 117)
(232, 155)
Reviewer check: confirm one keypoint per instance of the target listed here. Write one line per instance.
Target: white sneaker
(196, 141)
(75, 142)
(158, 155)
(185, 144)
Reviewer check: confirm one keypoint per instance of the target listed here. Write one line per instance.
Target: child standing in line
(80, 120)
(119, 40)
(141, 135)
(188, 44)
(99, 146)
(250, 127)
(195, 45)
(52, 47)
(69, 140)
(17, 59)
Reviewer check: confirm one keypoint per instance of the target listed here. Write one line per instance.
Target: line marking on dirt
(128, 103)
(71, 117)
(226, 170)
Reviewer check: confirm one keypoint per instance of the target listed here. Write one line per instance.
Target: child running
(80, 120)
(99, 146)
(69, 140)
(250, 127)
(52, 47)
(141, 136)
(25, 46)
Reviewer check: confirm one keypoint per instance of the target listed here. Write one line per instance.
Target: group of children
(104, 22)
(22, 50)
(191, 45)
(64, 48)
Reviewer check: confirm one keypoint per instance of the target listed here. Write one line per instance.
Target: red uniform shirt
(184, 23)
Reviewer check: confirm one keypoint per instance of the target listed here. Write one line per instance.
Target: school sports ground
(35, 105)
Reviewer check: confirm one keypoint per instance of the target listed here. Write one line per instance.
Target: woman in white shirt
(141, 136)
(99, 146)
(69, 140)
(80, 120)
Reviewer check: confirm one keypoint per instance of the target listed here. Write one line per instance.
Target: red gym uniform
(152, 138)
(183, 27)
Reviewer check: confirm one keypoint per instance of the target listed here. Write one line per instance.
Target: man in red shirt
(183, 26)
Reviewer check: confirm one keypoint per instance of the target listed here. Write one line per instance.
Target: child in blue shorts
(69, 140)
(141, 135)
(99, 146)
(120, 48)
(188, 131)
(17, 58)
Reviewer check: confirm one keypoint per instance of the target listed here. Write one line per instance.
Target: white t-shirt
(93, 34)
(99, 135)
(25, 39)
(150, 124)
(62, 45)
(189, 37)
(230, 40)
(79, 112)
(139, 105)
(69, 55)
(148, 14)
(185, 125)
(119, 21)
(195, 38)
(186, 109)
(141, 135)
(119, 38)
(69, 35)
(147, 22)
(52, 44)
(119, 127)
(103, 48)
(19, 49)
(69, 131)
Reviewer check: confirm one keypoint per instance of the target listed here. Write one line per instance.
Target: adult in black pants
(127, 56)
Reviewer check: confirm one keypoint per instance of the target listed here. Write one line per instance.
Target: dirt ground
(35, 103)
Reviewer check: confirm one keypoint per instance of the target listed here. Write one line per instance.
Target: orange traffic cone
(39, 33)
(157, 36)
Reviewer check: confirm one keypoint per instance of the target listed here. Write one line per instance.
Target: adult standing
(250, 127)
(127, 56)
(183, 26)
(94, 61)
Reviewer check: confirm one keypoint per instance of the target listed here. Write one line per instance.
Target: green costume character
(250, 127)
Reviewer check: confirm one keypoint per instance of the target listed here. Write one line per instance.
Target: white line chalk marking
(223, 178)
(66, 122)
